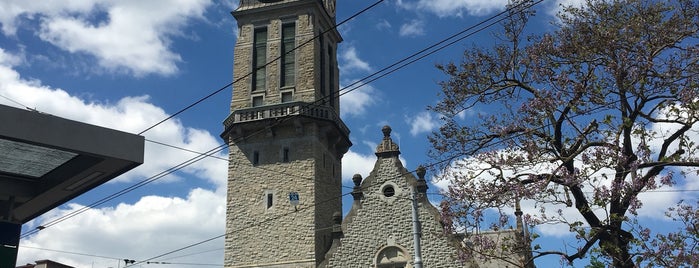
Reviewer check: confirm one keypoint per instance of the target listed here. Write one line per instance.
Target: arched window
(392, 257)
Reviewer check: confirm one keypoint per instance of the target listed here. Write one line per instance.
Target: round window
(388, 191)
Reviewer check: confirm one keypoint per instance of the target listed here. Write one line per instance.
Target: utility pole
(420, 189)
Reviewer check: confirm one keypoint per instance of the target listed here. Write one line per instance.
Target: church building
(286, 142)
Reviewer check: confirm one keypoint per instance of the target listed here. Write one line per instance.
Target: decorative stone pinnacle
(421, 172)
(387, 148)
(421, 185)
(357, 179)
(357, 193)
(386, 132)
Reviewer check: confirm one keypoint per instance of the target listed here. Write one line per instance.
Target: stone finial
(387, 147)
(421, 171)
(357, 193)
(357, 179)
(421, 185)
(386, 132)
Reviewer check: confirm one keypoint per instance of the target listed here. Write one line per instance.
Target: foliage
(583, 118)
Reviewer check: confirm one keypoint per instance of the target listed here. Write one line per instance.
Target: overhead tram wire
(220, 236)
(315, 103)
(277, 217)
(238, 230)
(125, 190)
(72, 253)
(17, 102)
(454, 157)
(263, 66)
(406, 61)
(419, 54)
(388, 69)
(184, 149)
(211, 152)
(320, 101)
(439, 162)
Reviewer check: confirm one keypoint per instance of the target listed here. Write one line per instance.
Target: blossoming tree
(579, 122)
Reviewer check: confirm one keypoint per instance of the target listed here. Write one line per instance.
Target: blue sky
(129, 64)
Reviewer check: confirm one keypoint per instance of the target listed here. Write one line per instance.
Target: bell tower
(286, 139)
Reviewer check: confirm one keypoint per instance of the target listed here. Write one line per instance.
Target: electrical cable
(16, 102)
(257, 224)
(140, 184)
(72, 253)
(196, 159)
(125, 190)
(334, 27)
(364, 187)
(364, 83)
(184, 149)
(316, 103)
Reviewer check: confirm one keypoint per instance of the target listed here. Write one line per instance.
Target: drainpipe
(419, 189)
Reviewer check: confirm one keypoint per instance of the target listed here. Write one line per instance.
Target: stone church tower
(285, 135)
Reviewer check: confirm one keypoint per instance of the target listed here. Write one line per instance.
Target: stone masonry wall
(283, 234)
(387, 221)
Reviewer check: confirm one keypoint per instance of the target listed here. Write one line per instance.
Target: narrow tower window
(288, 55)
(331, 76)
(259, 59)
(270, 199)
(255, 158)
(322, 65)
(285, 155)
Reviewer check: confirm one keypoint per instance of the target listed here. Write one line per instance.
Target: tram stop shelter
(46, 161)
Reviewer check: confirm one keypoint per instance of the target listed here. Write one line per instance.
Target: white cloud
(152, 226)
(412, 28)
(423, 122)
(134, 36)
(558, 5)
(129, 114)
(355, 163)
(11, 12)
(455, 8)
(655, 202)
(350, 61)
(356, 102)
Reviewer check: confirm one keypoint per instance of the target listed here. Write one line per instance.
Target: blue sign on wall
(294, 198)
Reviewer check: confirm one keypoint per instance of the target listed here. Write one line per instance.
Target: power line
(15, 102)
(446, 42)
(315, 103)
(185, 149)
(416, 56)
(70, 252)
(390, 72)
(240, 229)
(197, 158)
(125, 190)
(334, 27)
(257, 224)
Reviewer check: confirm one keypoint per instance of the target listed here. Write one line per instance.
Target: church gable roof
(380, 221)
